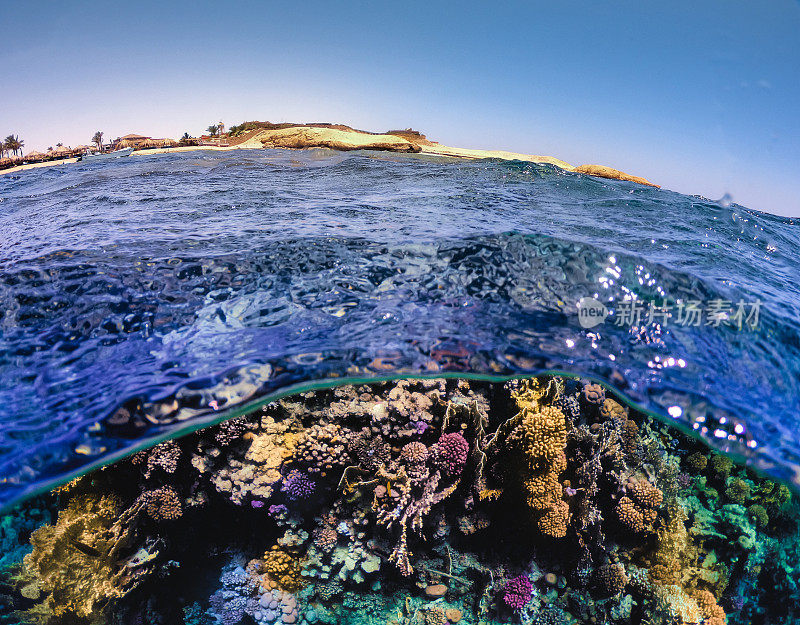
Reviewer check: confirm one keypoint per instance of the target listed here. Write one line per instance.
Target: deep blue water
(143, 297)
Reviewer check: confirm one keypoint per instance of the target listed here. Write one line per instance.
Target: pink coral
(517, 592)
(451, 453)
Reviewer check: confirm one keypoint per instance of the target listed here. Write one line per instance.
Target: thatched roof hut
(36, 156)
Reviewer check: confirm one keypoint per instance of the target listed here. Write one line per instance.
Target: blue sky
(701, 97)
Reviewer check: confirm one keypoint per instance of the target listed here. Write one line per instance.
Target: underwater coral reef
(413, 502)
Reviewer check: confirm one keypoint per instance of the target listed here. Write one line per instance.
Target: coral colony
(425, 502)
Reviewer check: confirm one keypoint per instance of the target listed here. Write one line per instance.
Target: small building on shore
(140, 142)
(130, 141)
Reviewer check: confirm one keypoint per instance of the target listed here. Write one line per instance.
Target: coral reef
(544, 501)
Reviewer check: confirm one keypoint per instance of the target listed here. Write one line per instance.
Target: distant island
(258, 135)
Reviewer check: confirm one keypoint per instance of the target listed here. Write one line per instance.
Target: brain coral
(593, 394)
(613, 410)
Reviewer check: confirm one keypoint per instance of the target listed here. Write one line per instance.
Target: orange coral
(638, 510)
(541, 434)
(555, 520)
(711, 610)
(644, 493)
(612, 409)
(539, 438)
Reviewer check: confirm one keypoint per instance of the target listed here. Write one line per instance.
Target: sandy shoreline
(301, 137)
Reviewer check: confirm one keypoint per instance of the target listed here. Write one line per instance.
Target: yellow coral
(283, 569)
(78, 561)
(490, 494)
(539, 438)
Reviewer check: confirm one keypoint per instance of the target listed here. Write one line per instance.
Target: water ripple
(156, 294)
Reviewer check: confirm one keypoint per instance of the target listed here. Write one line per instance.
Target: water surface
(147, 296)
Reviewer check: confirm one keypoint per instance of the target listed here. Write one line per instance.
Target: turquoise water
(145, 297)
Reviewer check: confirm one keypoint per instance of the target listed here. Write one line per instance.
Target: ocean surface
(144, 298)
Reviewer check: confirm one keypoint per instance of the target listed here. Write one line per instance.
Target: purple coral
(517, 592)
(236, 596)
(297, 486)
(278, 510)
(451, 453)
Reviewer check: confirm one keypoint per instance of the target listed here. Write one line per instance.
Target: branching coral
(297, 486)
(164, 456)
(405, 505)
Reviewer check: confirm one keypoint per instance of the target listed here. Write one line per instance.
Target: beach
(344, 138)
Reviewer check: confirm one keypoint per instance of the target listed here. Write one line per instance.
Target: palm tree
(13, 144)
(98, 139)
(212, 130)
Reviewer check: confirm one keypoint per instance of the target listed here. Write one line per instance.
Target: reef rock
(335, 139)
(601, 171)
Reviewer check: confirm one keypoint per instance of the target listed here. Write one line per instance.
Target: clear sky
(700, 96)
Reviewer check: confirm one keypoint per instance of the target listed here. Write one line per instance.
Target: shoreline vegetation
(259, 135)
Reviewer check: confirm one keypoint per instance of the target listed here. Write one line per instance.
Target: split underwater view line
(320, 387)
